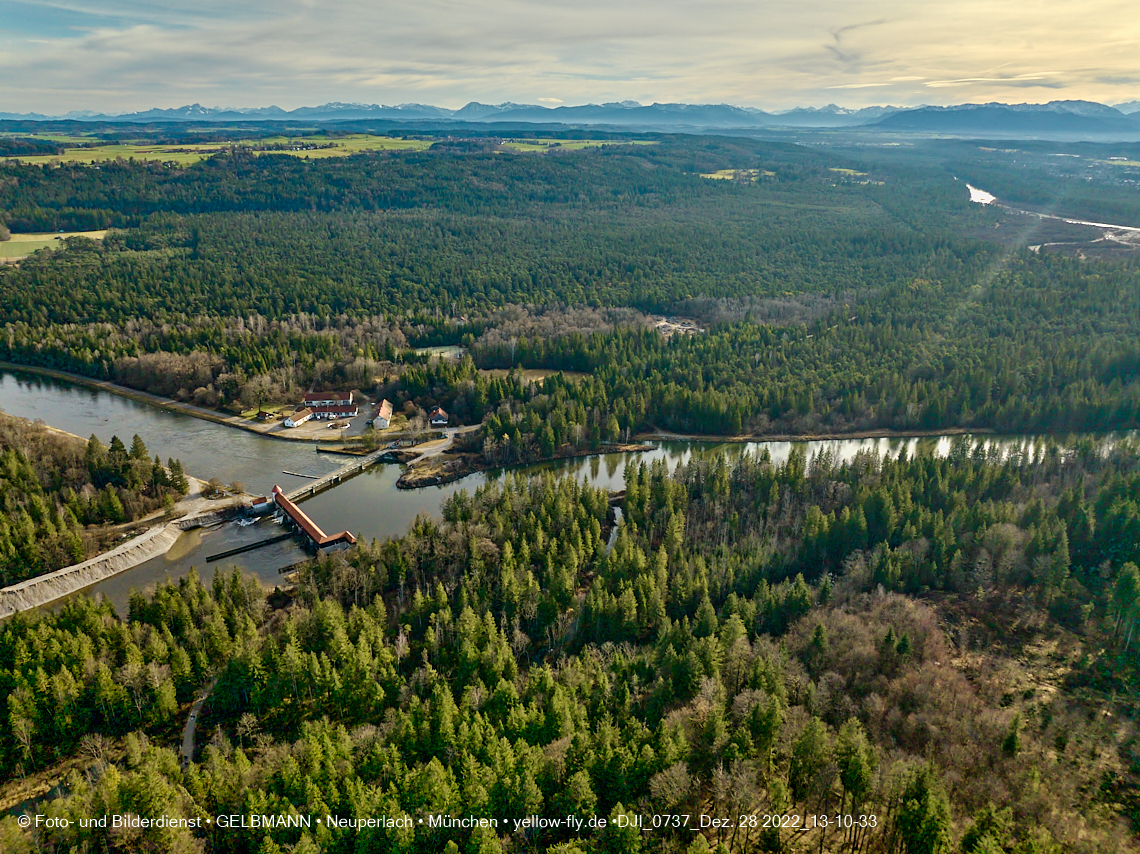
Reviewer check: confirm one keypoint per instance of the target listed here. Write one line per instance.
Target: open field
(535, 375)
(737, 174)
(73, 139)
(306, 146)
(345, 145)
(452, 351)
(192, 153)
(22, 245)
(568, 144)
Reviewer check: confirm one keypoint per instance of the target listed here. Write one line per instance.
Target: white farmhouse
(298, 418)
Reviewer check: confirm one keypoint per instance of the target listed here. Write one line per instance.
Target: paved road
(187, 751)
(436, 450)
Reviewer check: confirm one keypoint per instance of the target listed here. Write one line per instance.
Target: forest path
(187, 751)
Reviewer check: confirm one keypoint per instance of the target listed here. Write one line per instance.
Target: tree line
(759, 637)
(58, 498)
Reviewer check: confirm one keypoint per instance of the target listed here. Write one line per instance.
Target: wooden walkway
(355, 467)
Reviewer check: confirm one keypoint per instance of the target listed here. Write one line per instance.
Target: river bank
(149, 536)
(161, 402)
(240, 423)
(156, 541)
(651, 435)
(448, 467)
(875, 433)
(44, 589)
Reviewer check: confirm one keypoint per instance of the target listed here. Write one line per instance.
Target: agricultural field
(22, 245)
(527, 144)
(186, 154)
(738, 175)
(343, 146)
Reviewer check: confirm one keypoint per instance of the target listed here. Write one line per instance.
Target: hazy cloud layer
(123, 55)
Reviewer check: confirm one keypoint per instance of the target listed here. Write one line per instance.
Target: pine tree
(110, 507)
(924, 817)
(178, 477)
(138, 449)
(159, 477)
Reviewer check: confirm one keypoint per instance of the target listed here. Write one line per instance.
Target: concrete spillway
(63, 582)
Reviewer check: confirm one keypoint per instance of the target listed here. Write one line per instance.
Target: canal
(369, 505)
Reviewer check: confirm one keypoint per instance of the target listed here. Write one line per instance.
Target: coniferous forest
(890, 654)
(62, 500)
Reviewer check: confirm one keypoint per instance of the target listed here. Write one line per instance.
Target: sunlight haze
(122, 55)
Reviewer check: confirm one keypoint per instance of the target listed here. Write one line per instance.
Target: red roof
(305, 523)
(346, 396)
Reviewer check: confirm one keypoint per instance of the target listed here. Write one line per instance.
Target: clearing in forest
(737, 174)
(22, 245)
(186, 153)
(527, 144)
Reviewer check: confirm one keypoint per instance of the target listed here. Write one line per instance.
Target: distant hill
(831, 116)
(631, 113)
(623, 114)
(1066, 119)
(1078, 119)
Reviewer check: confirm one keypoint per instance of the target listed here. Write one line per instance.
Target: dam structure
(317, 538)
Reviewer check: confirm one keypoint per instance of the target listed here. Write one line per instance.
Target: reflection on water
(190, 552)
(205, 448)
(369, 504)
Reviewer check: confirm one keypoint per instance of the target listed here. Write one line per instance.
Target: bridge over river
(331, 479)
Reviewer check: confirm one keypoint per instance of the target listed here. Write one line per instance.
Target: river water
(369, 504)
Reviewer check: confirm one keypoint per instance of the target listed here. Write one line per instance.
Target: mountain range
(1057, 118)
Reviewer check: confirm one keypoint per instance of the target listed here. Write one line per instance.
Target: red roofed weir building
(321, 541)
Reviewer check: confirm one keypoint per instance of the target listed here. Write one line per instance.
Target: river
(369, 504)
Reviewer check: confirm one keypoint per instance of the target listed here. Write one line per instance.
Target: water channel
(369, 505)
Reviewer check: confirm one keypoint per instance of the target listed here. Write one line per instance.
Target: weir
(355, 467)
(317, 538)
(247, 548)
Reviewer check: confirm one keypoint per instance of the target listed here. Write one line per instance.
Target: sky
(123, 55)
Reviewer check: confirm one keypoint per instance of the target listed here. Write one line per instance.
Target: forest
(61, 500)
(943, 649)
(840, 290)
(946, 645)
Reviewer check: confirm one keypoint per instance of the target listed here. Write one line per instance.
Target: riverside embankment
(45, 589)
(369, 505)
(156, 541)
(145, 397)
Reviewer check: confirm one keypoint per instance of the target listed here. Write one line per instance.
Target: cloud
(130, 54)
(551, 101)
(1040, 78)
